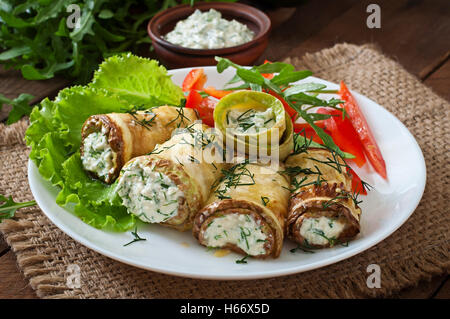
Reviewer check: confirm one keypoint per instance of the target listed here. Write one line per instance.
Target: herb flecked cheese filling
(239, 229)
(321, 230)
(251, 121)
(150, 195)
(98, 157)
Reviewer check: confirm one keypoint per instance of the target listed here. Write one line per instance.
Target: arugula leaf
(9, 206)
(20, 106)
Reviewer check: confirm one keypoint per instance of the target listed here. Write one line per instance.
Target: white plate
(168, 251)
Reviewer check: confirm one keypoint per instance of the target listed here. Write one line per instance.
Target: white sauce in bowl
(208, 30)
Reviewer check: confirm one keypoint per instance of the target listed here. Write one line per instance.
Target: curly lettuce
(54, 134)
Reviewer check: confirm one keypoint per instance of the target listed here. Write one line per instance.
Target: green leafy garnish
(9, 207)
(296, 96)
(20, 106)
(54, 134)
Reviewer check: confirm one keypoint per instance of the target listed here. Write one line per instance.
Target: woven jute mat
(417, 251)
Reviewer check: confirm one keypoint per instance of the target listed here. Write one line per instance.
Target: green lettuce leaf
(54, 135)
(137, 80)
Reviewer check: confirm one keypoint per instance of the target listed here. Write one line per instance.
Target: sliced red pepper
(194, 80)
(218, 94)
(344, 135)
(362, 128)
(357, 185)
(204, 107)
(193, 99)
(206, 111)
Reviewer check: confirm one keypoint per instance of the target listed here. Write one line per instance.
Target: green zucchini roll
(111, 140)
(170, 185)
(323, 210)
(253, 121)
(246, 212)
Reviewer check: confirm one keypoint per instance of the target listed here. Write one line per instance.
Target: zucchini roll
(250, 120)
(246, 212)
(170, 185)
(108, 141)
(323, 210)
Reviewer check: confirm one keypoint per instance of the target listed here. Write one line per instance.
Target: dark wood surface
(415, 33)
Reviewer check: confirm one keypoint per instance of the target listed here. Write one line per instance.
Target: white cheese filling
(150, 195)
(207, 30)
(250, 121)
(239, 229)
(98, 157)
(321, 231)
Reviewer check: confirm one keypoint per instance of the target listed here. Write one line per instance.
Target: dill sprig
(265, 200)
(180, 116)
(305, 247)
(142, 122)
(243, 260)
(136, 237)
(333, 240)
(232, 178)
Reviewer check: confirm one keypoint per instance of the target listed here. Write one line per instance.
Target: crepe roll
(323, 211)
(254, 123)
(246, 212)
(170, 185)
(111, 140)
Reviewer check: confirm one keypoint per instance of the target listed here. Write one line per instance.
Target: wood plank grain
(416, 33)
(308, 19)
(424, 290)
(444, 291)
(3, 246)
(12, 281)
(12, 84)
(439, 80)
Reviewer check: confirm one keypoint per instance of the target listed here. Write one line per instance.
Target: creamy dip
(208, 30)
(150, 195)
(239, 229)
(317, 230)
(98, 157)
(250, 121)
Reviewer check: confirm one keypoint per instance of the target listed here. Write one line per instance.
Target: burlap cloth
(417, 251)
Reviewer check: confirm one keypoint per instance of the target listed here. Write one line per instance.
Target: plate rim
(244, 276)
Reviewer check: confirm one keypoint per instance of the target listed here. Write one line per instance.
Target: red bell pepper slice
(194, 80)
(362, 128)
(193, 99)
(357, 185)
(204, 106)
(218, 94)
(344, 135)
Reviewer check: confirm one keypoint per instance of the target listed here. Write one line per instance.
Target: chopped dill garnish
(136, 237)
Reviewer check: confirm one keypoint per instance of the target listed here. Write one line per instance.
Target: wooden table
(415, 33)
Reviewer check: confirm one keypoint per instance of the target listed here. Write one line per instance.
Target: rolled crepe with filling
(246, 212)
(254, 123)
(170, 185)
(110, 140)
(323, 212)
